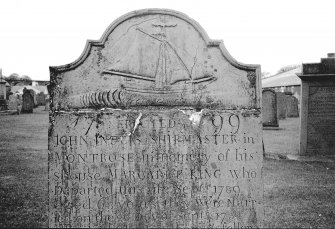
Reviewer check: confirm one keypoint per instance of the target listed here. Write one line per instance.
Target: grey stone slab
(317, 128)
(269, 108)
(13, 102)
(28, 103)
(281, 105)
(292, 106)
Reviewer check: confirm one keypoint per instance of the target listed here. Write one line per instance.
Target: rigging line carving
(171, 46)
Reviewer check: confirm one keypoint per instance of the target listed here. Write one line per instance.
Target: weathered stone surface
(292, 106)
(269, 108)
(172, 62)
(177, 142)
(27, 102)
(317, 129)
(13, 102)
(321, 121)
(281, 105)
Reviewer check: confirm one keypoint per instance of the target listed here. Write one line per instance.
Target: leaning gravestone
(317, 128)
(155, 125)
(291, 105)
(269, 108)
(27, 102)
(281, 105)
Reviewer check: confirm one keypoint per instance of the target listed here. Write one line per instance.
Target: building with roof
(284, 82)
(37, 89)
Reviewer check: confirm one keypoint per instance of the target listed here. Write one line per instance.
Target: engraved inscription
(321, 120)
(117, 168)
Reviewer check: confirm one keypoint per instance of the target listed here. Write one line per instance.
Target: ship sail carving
(166, 64)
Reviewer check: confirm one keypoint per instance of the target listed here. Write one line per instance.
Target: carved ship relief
(155, 58)
(169, 79)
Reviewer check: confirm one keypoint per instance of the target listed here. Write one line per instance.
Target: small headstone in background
(47, 103)
(3, 98)
(269, 108)
(13, 103)
(27, 101)
(317, 129)
(33, 94)
(292, 105)
(2, 87)
(40, 97)
(281, 105)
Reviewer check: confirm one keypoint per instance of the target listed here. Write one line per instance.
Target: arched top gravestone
(269, 108)
(27, 101)
(155, 57)
(155, 125)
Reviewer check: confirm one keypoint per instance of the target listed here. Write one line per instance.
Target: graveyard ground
(297, 194)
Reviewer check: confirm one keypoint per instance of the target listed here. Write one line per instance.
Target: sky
(36, 34)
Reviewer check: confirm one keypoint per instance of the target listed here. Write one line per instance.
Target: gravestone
(3, 102)
(47, 103)
(40, 97)
(281, 105)
(13, 103)
(27, 101)
(2, 87)
(317, 127)
(269, 108)
(34, 95)
(292, 104)
(155, 125)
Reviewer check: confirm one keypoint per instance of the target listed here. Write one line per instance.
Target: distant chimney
(331, 55)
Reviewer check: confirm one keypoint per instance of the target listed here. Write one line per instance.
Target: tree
(288, 68)
(25, 77)
(265, 74)
(13, 76)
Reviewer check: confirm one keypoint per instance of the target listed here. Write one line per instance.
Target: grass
(296, 194)
(23, 170)
(285, 140)
(299, 194)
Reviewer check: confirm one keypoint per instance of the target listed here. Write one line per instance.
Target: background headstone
(47, 103)
(292, 105)
(13, 103)
(33, 94)
(281, 105)
(317, 128)
(269, 108)
(155, 126)
(27, 102)
(3, 102)
(40, 97)
(2, 87)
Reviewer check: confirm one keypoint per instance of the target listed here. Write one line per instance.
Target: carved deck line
(129, 75)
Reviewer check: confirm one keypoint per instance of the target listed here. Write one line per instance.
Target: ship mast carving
(168, 59)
